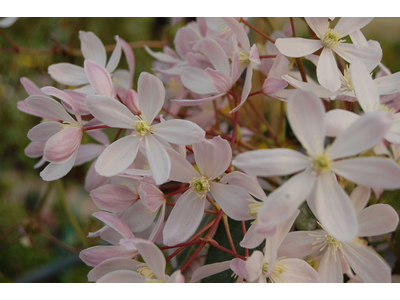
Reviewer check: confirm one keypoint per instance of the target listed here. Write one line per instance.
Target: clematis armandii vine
(119, 155)
(306, 117)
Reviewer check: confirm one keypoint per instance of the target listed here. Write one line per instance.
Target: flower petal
(96, 255)
(115, 57)
(327, 70)
(181, 169)
(249, 184)
(271, 162)
(115, 223)
(297, 47)
(350, 52)
(196, 80)
(56, 171)
(62, 146)
(345, 26)
(254, 265)
(158, 158)
(122, 276)
(184, 218)
(92, 47)
(377, 219)
(246, 89)
(297, 271)
(330, 268)
(153, 257)
(44, 131)
(209, 270)
(68, 74)
(111, 265)
(216, 55)
(113, 197)
(180, 132)
(318, 25)
(360, 197)
(151, 94)
(298, 244)
(118, 156)
(337, 120)
(99, 78)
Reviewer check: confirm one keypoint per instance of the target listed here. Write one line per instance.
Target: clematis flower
(119, 155)
(330, 41)
(213, 158)
(306, 117)
(124, 270)
(336, 254)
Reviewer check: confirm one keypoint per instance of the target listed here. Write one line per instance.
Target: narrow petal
(30, 111)
(271, 162)
(252, 239)
(49, 106)
(111, 265)
(220, 81)
(153, 257)
(151, 94)
(122, 276)
(297, 47)
(332, 206)
(96, 255)
(88, 152)
(239, 31)
(367, 264)
(179, 132)
(254, 266)
(213, 157)
(360, 197)
(99, 78)
(118, 156)
(44, 131)
(350, 52)
(35, 149)
(296, 271)
(318, 25)
(377, 219)
(151, 196)
(246, 88)
(192, 102)
(184, 218)
(113, 197)
(115, 223)
(164, 57)
(337, 120)
(327, 70)
(370, 171)
(366, 91)
(68, 74)
(181, 169)
(283, 202)
(232, 200)
(216, 55)
(317, 89)
(56, 171)
(388, 85)
(30, 87)
(92, 48)
(115, 57)
(363, 134)
(110, 111)
(130, 57)
(209, 270)
(306, 117)
(158, 158)
(345, 26)
(330, 268)
(62, 146)
(273, 85)
(196, 80)
(138, 217)
(249, 184)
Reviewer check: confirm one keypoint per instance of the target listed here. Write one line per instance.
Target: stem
(215, 225)
(228, 232)
(257, 30)
(216, 245)
(255, 93)
(177, 192)
(118, 134)
(181, 245)
(70, 216)
(235, 120)
(267, 56)
(193, 256)
(216, 114)
(246, 251)
(349, 106)
(299, 62)
(212, 203)
(262, 119)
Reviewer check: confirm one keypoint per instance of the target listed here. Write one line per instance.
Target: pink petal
(99, 78)
(252, 239)
(92, 48)
(130, 57)
(181, 169)
(239, 31)
(61, 146)
(151, 196)
(30, 111)
(138, 217)
(232, 200)
(179, 132)
(30, 87)
(360, 197)
(216, 55)
(68, 74)
(118, 156)
(327, 70)
(317, 89)
(113, 197)
(56, 171)
(246, 182)
(254, 55)
(220, 81)
(187, 102)
(213, 157)
(158, 158)
(115, 223)
(273, 85)
(196, 80)
(111, 265)
(88, 152)
(370, 171)
(318, 25)
(377, 219)
(44, 131)
(115, 57)
(96, 255)
(337, 120)
(153, 257)
(239, 267)
(297, 271)
(209, 270)
(254, 266)
(184, 218)
(151, 94)
(122, 276)
(93, 179)
(297, 47)
(306, 116)
(176, 277)
(246, 88)
(35, 149)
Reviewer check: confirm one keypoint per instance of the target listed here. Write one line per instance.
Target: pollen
(253, 208)
(201, 185)
(331, 38)
(329, 243)
(279, 269)
(146, 272)
(66, 125)
(321, 163)
(383, 107)
(244, 57)
(141, 126)
(346, 82)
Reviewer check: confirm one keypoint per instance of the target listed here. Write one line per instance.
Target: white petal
(216, 55)
(196, 80)
(350, 52)
(44, 131)
(338, 120)
(239, 31)
(297, 271)
(111, 265)
(271, 162)
(232, 200)
(298, 244)
(115, 223)
(251, 185)
(151, 94)
(252, 239)
(370, 171)
(246, 88)
(209, 270)
(330, 268)
(297, 47)
(327, 70)
(377, 219)
(158, 158)
(184, 218)
(361, 135)
(118, 156)
(56, 171)
(306, 116)
(122, 276)
(99, 78)
(92, 47)
(346, 26)
(153, 257)
(115, 57)
(332, 206)
(180, 132)
(360, 197)
(388, 85)
(181, 169)
(367, 264)
(318, 25)
(254, 266)
(317, 89)
(68, 74)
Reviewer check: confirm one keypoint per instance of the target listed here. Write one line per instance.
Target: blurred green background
(34, 238)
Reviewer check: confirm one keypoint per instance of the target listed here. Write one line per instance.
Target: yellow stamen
(201, 185)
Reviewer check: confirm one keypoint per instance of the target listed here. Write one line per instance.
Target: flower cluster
(169, 180)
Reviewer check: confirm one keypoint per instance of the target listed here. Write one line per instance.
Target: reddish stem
(215, 225)
(189, 148)
(349, 106)
(257, 30)
(255, 93)
(213, 243)
(177, 192)
(267, 56)
(95, 127)
(193, 256)
(246, 251)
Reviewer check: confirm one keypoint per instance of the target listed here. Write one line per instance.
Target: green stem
(70, 216)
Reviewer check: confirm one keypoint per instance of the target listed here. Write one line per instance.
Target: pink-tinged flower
(7, 22)
(122, 248)
(338, 255)
(237, 265)
(92, 49)
(124, 270)
(212, 158)
(306, 117)
(119, 155)
(62, 140)
(330, 41)
(368, 96)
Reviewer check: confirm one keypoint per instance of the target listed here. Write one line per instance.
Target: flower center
(383, 107)
(278, 270)
(66, 125)
(253, 207)
(346, 83)
(142, 127)
(146, 272)
(321, 163)
(244, 57)
(331, 38)
(201, 185)
(326, 241)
